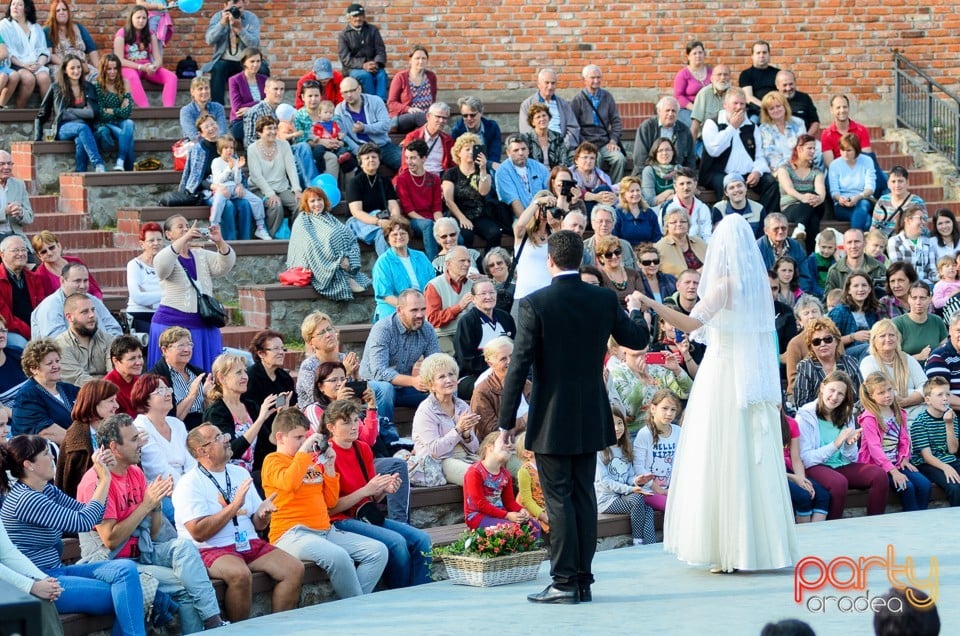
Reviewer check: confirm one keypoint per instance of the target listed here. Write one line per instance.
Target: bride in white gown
(729, 506)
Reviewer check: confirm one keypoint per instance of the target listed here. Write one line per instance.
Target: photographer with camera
(231, 31)
(530, 235)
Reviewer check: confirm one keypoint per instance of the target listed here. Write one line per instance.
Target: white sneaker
(101, 168)
(119, 167)
(262, 234)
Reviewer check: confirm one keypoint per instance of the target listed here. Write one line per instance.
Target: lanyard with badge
(240, 539)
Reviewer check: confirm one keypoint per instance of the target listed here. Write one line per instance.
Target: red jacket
(35, 289)
(446, 141)
(330, 91)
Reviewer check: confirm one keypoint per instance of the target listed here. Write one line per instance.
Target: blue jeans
(424, 228)
(398, 504)
(178, 567)
(105, 587)
(123, 134)
(306, 166)
(916, 496)
(803, 504)
(859, 215)
(390, 155)
(372, 83)
(335, 551)
(408, 547)
(388, 396)
(369, 234)
(86, 145)
(235, 220)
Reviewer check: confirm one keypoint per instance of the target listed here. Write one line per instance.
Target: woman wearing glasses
(322, 344)
(621, 280)
(678, 249)
(189, 383)
(266, 377)
(826, 356)
(656, 284)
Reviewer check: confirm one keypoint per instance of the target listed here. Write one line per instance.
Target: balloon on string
(189, 6)
(327, 183)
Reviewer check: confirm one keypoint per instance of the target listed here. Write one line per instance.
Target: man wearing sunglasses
(472, 121)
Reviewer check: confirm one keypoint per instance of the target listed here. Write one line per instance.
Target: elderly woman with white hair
(480, 324)
(444, 426)
(488, 389)
(447, 233)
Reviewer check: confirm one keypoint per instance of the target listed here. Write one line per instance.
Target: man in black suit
(562, 334)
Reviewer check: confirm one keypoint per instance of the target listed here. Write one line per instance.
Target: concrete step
(73, 240)
(99, 195)
(97, 259)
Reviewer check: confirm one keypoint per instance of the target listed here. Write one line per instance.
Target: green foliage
(499, 540)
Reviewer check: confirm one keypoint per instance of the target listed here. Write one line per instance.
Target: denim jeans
(398, 504)
(255, 203)
(104, 587)
(408, 548)
(859, 215)
(388, 396)
(335, 551)
(916, 496)
(424, 228)
(306, 166)
(372, 83)
(235, 219)
(177, 565)
(86, 151)
(390, 155)
(123, 134)
(369, 234)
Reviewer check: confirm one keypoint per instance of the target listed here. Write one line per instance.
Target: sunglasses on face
(617, 252)
(654, 261)
(446, 236)
(816, 342)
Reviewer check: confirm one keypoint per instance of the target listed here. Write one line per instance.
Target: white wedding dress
(729, 505)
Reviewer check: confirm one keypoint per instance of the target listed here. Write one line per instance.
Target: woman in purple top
(246, 89)
(691, 78)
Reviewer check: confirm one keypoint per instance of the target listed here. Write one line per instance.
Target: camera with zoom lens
(236, 12)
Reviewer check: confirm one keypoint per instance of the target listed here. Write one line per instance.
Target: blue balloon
(327, 183)
(334, 196)
(189, 6)
(317, 182)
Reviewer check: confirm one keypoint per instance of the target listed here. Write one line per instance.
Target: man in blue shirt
(520, 178)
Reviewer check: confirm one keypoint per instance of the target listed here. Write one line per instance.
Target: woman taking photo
(828, 447)
(189, 383)
(465, 189)
(691, 78)
(657, 176)
(140, 54)
(412, 92)
(184, 273)
(27, 51)
(96, 401)
(322, 344)
(678, 250)
(200, 105)
(475, 328)
(273, 173)
(852, 180)
(321, 243)
(362, 485)
(52, 261)
(266, 377)
(234, 413)
(895, 205)
(165, 452)
(72, 102)
(36, 513)
(65, 36)
(546, 146)
(530, 234)
(635, 221)
(143, 286)
(826, 355)
(443, 426)
(392, 271)
(44, 403)
(803, 189)
(116, 104)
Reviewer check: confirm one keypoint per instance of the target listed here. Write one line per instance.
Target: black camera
(236, 12)
(321, 445)
(383, 215)
(566, 188)
(557, 213)
(478, 149)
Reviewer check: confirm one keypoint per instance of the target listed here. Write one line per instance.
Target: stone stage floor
(642, 590)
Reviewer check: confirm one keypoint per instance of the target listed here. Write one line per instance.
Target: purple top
(240, 95)
(686, 86)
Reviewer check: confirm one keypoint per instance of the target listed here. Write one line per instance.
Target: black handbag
(180, 198)
(368, 512)
(211, 311)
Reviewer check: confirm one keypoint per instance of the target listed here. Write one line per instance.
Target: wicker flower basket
(490, 571)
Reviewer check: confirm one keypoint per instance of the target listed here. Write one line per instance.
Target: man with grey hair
(666, 124)
(709, 100)
(448, 296)
(472, 121)
(15, 209)
(20, 290)
(575, 221)
(439, 142)
(133, 527)
(599, 120)
(776, 243)
(562, 118)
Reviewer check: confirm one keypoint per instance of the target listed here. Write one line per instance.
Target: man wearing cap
(231, 31)
(362, 53)
(328, 79)
(735, 201)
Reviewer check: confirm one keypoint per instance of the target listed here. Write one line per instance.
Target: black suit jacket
(562, 335)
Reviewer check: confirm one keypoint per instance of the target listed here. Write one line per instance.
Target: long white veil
(736, 307)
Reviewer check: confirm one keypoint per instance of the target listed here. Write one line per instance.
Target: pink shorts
(258, 548)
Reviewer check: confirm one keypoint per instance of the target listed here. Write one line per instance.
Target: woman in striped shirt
(36, 513)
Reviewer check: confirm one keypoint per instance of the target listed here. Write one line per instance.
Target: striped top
(928, 431)
(36, 521)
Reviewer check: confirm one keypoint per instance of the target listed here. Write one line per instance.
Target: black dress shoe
(585, 594)
(551, 594)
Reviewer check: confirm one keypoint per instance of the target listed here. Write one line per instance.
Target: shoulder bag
(210, 309)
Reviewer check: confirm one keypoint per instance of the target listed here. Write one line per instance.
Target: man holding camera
(439, 143)
(303, 479)
(231, 31)
(519, 177)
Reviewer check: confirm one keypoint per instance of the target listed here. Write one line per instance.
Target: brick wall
(833, 45)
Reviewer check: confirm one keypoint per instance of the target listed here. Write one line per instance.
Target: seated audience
(895, 301)
(946, 235)
(920, 331)
(273, 175)
(655, 447)
(634, 382)
(65, 35)
(362, 53)
(200, 104)
(27, 50)
(371, 199)
(227, 184)
(545, 144)
(853, 259)
(679, 250)
(143, 286)
(20, 290)
(472, 121)
(709, 100)
(898, 203)
(321, 243)
(691, 79)
(116, 129)
(44, 403)
(189, 383)
(205, 507)
(126, 358)
(856, 314)
(497, 265)
(419, 195)
(478, 325)
(599, 120)
(392, 271)
(444, 426)
(266, 377)
(11, 371)
(488, 498)
(364, 119)
(320, 131)
(602, 221)
(247, 88)
(828, 446)
(488, 388)
(779, 130)
(448, 296)
(699, 217)
(803, 189)
(656, 177)
(826, 354)
(656, 284)
(562, 118)
(412, 92)
(594, 184)
(52, 261)
(806, 309)
(933, 438)
(72, 103)
(96, 401)
(84, 345)
(636, 222)
(735, 201)
(852, 183)
(776, 241)
(621, 280)
(466, 191)
(664, 124)
(328, 79)
(902, 371)
(17, 209)
(141, 55)
(321, 344)
(232, 32)
(446, 232)
(801, 105)
(909, 245)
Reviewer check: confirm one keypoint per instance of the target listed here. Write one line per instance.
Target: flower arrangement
(505, 553)
(493, 541)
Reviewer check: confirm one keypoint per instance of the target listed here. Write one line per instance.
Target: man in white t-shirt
(218, 509)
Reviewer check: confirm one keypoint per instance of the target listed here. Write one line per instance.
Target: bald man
(364, 118)
(562, 118)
